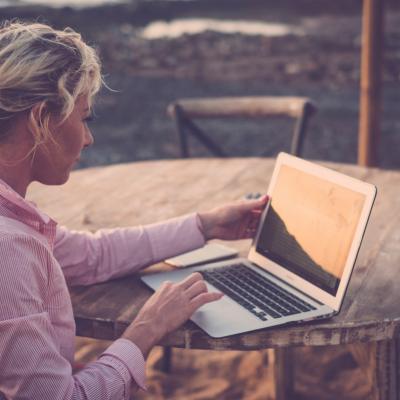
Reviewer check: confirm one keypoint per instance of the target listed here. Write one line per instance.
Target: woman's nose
(88, 138)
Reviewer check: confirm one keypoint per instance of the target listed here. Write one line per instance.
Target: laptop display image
(301, 258)
(310, 226)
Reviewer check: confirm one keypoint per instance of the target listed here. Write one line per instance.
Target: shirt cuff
(175, 236)
(126, 358)
(200, 225)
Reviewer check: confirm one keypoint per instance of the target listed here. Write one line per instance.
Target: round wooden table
(144, 192)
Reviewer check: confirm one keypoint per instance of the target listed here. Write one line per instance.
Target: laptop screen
(310, 226)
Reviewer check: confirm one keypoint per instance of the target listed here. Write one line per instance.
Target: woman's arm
(36, 328)
(33, 369)
(87, 258)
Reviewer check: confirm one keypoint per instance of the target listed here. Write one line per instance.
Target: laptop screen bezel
(291, 278)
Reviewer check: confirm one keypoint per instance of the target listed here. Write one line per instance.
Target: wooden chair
(184, 111)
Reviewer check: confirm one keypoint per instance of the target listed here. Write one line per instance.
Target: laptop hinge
(288, 284)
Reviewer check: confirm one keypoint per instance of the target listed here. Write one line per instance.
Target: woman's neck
(16, 163)
(14, 179)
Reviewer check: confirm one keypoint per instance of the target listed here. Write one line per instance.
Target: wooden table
(145, 192)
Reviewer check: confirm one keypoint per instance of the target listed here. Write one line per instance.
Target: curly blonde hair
(40, 65)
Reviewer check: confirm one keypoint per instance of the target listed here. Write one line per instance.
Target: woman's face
(53, 161)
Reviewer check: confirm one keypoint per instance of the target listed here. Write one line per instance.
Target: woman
(47, 82)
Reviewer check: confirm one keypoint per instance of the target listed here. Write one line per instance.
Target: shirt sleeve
(31, 366)
(88, 258)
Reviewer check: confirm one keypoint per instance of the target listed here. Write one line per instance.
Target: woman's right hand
(169, 307)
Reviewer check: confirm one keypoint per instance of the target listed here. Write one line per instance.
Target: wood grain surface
(145, 192)
(250, 107)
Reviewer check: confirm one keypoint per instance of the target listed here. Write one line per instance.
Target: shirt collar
(27, 212)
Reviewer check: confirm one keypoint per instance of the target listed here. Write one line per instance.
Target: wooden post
(380, 363)
(371, 96)
(166, 365)
(281, 373)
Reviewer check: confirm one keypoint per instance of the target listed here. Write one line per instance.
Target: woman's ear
(39, 112)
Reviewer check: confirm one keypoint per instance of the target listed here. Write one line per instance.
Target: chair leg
(204, 139)
(166, 365)
(300, 130)
(180, 131)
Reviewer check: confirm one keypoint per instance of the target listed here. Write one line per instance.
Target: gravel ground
(132, 123)
(324, 65)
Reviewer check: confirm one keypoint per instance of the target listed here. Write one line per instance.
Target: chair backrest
(184, 110)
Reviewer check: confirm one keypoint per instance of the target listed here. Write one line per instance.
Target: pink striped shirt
(37, 328)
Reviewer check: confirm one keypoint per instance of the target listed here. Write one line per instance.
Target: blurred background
(154, 52)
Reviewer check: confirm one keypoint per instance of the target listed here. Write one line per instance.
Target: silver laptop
(301, 258)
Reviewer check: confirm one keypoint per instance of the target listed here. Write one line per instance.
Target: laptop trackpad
(223, 316)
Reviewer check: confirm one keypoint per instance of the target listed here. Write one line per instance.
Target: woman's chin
(55, 180)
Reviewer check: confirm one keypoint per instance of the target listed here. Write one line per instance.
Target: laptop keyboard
(254, 292)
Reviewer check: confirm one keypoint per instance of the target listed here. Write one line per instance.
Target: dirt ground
(321, 373)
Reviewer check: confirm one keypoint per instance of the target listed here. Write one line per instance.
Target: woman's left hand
(233, 221)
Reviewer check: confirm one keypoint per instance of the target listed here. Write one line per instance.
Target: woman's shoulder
(12, 231)
(24, 272)
(25, 255)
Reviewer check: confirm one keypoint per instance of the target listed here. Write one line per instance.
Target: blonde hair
(40, 65)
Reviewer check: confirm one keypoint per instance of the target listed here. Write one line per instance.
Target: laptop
(301, 258)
